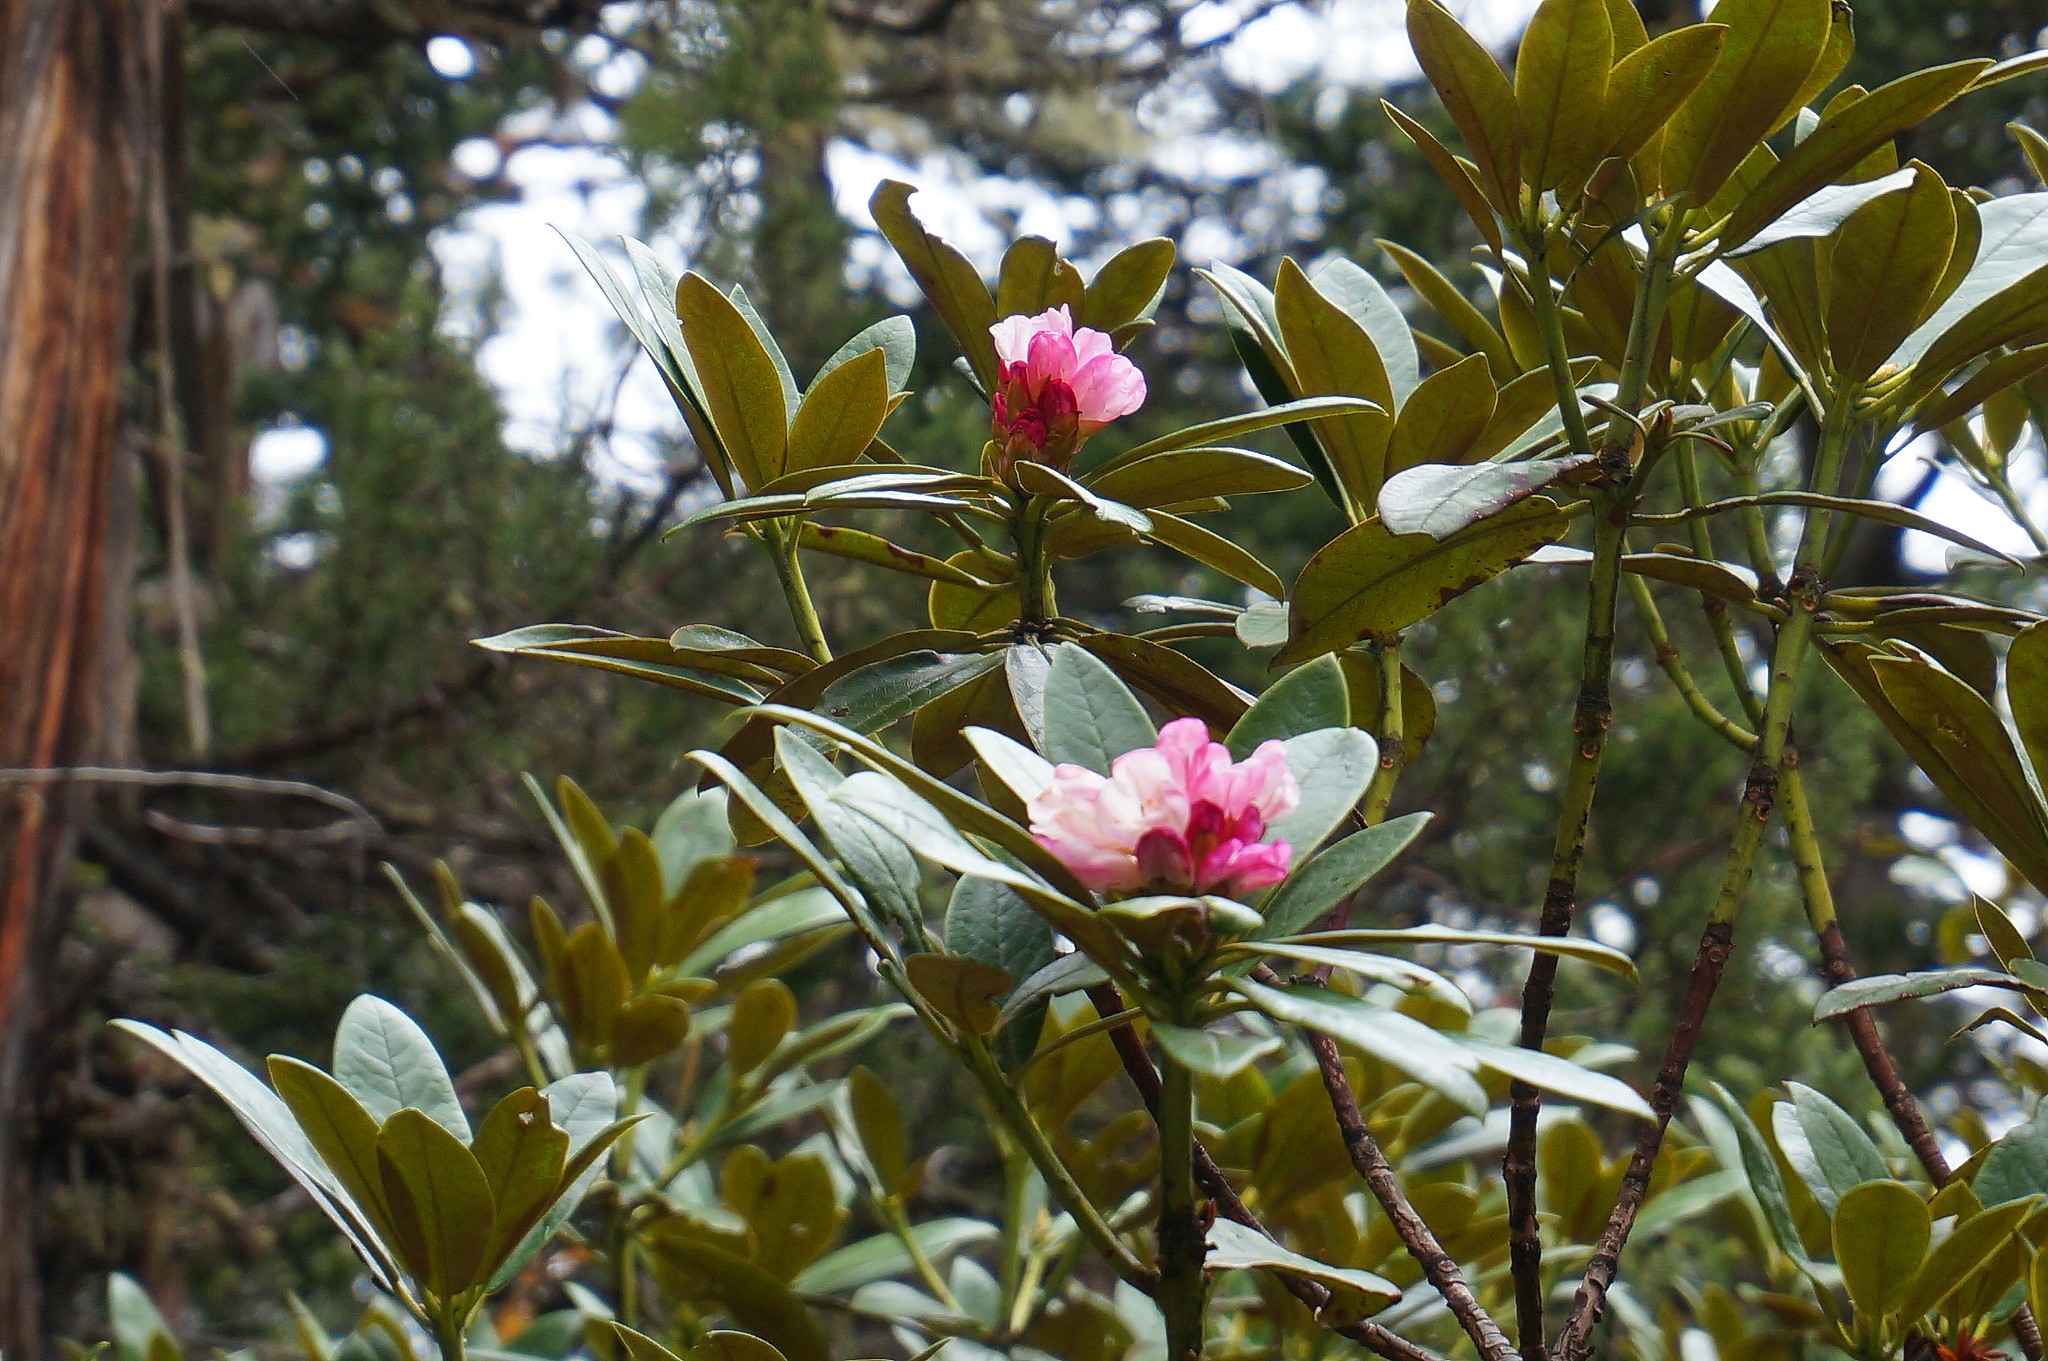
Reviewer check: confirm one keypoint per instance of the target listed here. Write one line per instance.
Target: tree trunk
(72, 122)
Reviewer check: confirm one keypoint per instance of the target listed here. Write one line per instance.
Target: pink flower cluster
(1177, 817)
(1058, 386)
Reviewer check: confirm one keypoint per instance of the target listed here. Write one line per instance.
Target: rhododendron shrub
(1132, 899)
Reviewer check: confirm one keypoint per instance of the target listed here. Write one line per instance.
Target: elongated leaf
(1819, 214)
(1884, 512)
(1314, 888)
(1022, 771)
(1304, 700)
(1192, 474)
(650, 659)
(841, 414)
(1372, 583)
(1844, 1156)
(440, 1203)
(1233, 1247)
(387, 1062)
(1373, 968)
(1439, 500)
(1068, 973)
(1880, 989)
(1404, 1044)
(756, 1300)
(1561, 74)
(1649, 83)
(743, 389)
(884, 1256)
(336, 1124)
(1883, 269)
(1969, 1246)
(1771, 48)
(1333, 766)
(1559, 1076)
(989, 923)
(1351, 287)
(877, 695)
(895, 337)
(944, 275)
(1230, 427)
(1443, 417)
(1129, 285)
(1458, 175)
(1476, 95)
(1566, 947)
(1843, 138)
(1331, 354)
(1213, 550)
(1213, 1053)
(2012, 242)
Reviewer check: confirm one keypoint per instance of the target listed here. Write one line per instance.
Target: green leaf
(1881, 1233)
(1315, 887)
(1440, 500)
(2017, 1165)
(1212, 1053)
(1129, 285)
(1559, 1076)
(1940, 409)
(1333, 766)
(582, 1106)
(1476, 95)
(1194, 474)
(759, 325)
(883, 868)
(1347, 284)
(1213, 550)
(895, 337)
(1883, 512)
(1561, 72)
(1373, 968)
(964, 991)
(1453, 306)
(440, 1203)
(1443, 417)
(1400, 1042)
(523, 1153)
(269, 1121)
(1956, 737)
(1879, 989)
(1649, 84)
(944, 275)
(884, 1256)
(1020, 769)
(690, 831)
(877, 695)
(742, 387)
(1306, 699)
(1091, 717)
(1842, 1154)
(1765, 1184)
(1371, 583)
(1819, 214)
(651, 659)
(344, 1133)
(990, 923)
(1771, 48)
(841, 414)
(1843, 138)
(757, 1301)
(134, 1319)
(1210, 433)
(1458, 175)
(1566, 947)
(1970, 1246)
(387, 1062)
(1034, 279)
(1883, 269)
(1330, 354)
(2012, 242)
(1233, 1247)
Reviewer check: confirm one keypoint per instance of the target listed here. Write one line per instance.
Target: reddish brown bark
(69, 124)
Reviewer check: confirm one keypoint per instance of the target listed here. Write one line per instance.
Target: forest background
(367, 414)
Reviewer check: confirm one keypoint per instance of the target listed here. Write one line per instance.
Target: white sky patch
(1360, 44)
(451, 57)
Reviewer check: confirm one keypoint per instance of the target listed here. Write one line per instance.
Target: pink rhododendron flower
(1176, 817)
(1058, 386)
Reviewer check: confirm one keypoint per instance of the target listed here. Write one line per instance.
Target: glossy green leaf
(1566, 947)
(1129, 285)
(884, 1256)
(1194, 474)
(841, 414)
(895, 337)
(2012, 242)
(1330, 354)
(1819, 214)
(1317, 885)
(1648, 85)
(1883, 268)
(337, 1125)
(1477, 96)
(944, 275)
(1879, 989)
(1439, 500)
(1559, 1076)
(757, 1301)
(1233, 1247)
(1353, 288)
(440, 1204)
(743, 389)
(1091, 717)
(1212, 1053)
(1306, 699)
(1333, 767)
(1460, 176)
(1881, 1233)
(1443, 417)
(1372, 583)
(1837, 1148)
(523, 1154)
(1230, 427)
(1213, 550)
(1970, 1247)
(1561, 72)
(1403, 974)
(991, 924)
(1771, 48)
(1401, 1042)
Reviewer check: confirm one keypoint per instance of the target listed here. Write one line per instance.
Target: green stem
(899, 1224)
(1391, 735)
(1669, 658)
(1034, 573)
(1181, 1245)
(448, 1332)
(789, 571)
(1016, 1211)
(2018, 510)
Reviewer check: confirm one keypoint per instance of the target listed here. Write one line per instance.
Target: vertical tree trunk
(71, 123)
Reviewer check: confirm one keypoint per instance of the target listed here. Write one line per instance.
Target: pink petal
(1091, 344)
(1051, 358)
(1107, 387)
